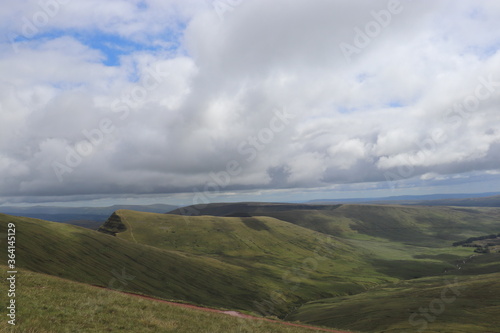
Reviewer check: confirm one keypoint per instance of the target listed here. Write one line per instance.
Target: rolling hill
(262, 278)
(395, 237)
(412, 225)
(279, 255)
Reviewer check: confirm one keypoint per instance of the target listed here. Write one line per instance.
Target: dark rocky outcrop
(113, 225)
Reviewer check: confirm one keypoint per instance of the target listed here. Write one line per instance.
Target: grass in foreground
(48, 304)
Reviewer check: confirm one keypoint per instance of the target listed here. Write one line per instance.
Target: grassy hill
(409, 224)
(396, 236)
(399, 241)
(278, 255)
(280, 265)
(354, 260)
(450, 304)
(91, 257)
(233, 238)
(48, 304)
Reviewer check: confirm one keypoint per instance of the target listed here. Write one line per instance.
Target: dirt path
(234, 314)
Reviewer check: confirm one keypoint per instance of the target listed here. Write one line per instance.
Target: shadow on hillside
(254, 224)
(409, 269)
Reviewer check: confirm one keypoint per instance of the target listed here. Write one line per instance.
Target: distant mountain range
(491, 199)
(89, 217)
(93, 217)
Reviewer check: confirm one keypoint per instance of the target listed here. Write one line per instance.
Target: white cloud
(178, 114)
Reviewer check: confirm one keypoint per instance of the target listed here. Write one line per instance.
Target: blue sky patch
(395, 104)
(112, 46)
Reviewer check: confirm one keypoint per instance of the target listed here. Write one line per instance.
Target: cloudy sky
(186, 101)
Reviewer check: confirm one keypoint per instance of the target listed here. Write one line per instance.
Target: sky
(196, 101)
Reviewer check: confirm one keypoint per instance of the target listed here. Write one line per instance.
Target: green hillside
(400, 241)
(301, 266)
(418, 225)
(432, 226)
(439, 304)
(91, 257)
(48, 304)
(397, 236)
(235, 239)
(354, 261)
(278, 255)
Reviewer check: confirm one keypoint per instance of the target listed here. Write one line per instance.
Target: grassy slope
(405, 242)
(474, 306)
(91, 257)
(48, 304)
